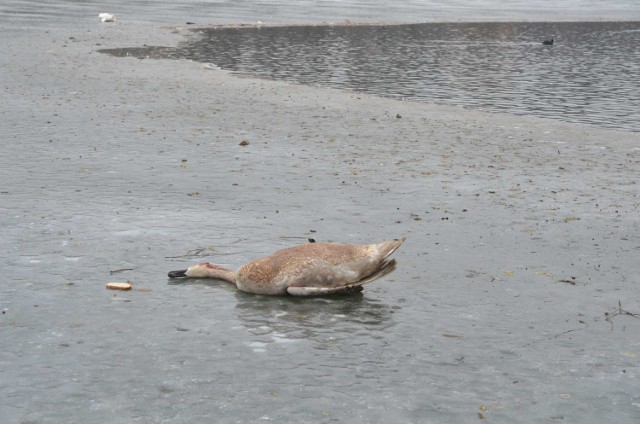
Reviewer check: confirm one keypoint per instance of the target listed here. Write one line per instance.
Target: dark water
(590, 75)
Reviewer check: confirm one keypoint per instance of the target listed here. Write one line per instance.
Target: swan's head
(201, 270)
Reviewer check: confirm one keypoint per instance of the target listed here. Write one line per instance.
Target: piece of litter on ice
(119, 286)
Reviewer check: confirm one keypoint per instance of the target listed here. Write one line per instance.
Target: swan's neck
(207, 270)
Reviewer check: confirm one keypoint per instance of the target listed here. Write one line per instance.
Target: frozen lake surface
(515, 298)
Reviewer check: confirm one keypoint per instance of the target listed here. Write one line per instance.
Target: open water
(590, 75)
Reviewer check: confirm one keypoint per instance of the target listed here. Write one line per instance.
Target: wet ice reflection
(279, 324)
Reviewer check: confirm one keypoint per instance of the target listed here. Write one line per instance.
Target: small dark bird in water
(548, 42)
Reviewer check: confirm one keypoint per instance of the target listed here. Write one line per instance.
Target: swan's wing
(318, 287)
(323, 291)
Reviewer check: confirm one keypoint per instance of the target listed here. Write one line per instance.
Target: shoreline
(349, 23)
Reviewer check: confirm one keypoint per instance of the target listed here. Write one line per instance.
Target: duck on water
(312, 269)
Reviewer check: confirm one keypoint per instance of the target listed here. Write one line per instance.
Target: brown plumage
(310, 269)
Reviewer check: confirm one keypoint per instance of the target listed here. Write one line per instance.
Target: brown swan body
(311, 269)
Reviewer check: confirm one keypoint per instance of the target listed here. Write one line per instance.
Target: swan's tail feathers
(386, 267)
(388, 247)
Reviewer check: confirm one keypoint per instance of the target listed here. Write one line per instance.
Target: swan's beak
(177, 274)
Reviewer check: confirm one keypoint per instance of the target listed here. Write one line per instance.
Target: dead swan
(311, 269)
